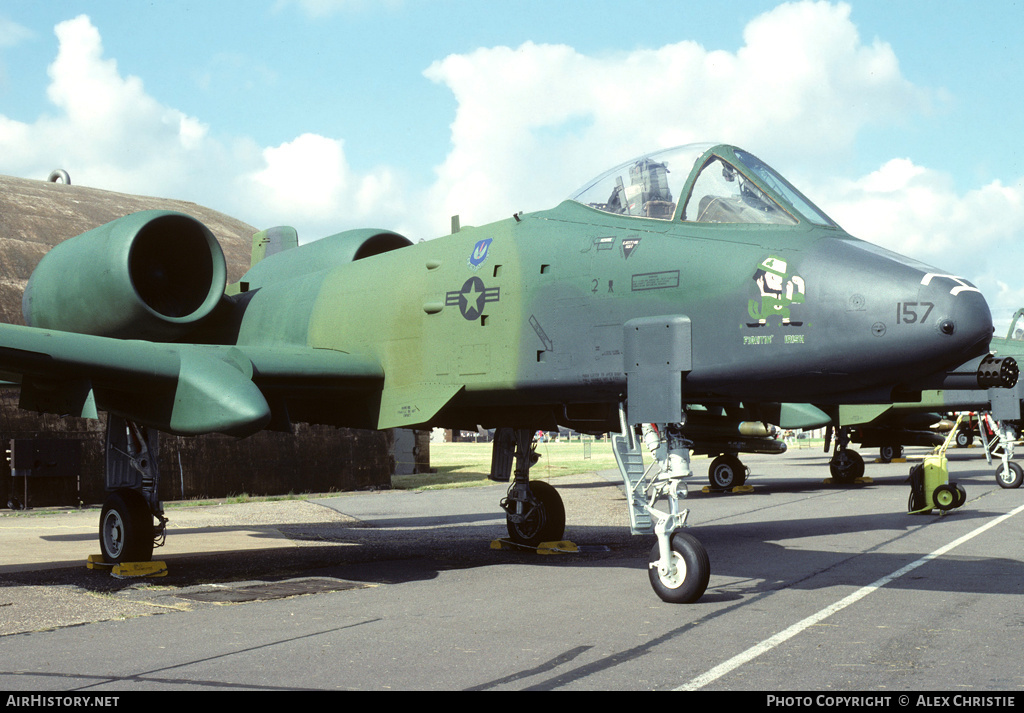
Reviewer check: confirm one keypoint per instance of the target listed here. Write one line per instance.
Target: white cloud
(531, 124)
(919, 212)
(309, 178)
(534, 120)
(106, 128)
(13, 34)
(108, 132)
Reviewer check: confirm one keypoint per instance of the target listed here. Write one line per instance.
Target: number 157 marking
(907, 312)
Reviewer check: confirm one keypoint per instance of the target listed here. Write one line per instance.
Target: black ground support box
(45, 471)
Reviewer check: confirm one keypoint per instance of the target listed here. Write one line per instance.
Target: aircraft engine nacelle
(149, 275)
(349, 246)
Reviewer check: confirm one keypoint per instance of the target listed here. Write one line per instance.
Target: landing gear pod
(149, 275)
(534, 512)
(132, 520)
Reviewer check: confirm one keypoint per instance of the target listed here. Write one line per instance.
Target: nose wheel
(678, 567)
(1009, 475)
(683, 578)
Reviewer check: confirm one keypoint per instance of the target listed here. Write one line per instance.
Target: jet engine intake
(149, 275)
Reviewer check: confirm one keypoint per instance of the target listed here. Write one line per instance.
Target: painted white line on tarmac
(770, 643)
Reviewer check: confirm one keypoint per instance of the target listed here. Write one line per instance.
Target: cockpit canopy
(721, 184)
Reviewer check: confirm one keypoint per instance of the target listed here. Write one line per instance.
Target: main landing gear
(678, 568)
(132, 520)
(534, 512)
(846, 465)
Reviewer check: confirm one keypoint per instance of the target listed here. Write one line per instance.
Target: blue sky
(901, 119)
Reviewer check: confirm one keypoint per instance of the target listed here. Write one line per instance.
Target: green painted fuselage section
(522, 321)
(733, 294)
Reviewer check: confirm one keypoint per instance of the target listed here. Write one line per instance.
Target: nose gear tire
(1011, 478)
(693, 570)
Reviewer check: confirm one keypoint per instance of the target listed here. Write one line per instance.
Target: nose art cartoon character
(778, 291)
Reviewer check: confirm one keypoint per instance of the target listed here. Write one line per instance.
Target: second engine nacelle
(149, 275)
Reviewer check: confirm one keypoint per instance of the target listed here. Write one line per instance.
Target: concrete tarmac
(814, 587)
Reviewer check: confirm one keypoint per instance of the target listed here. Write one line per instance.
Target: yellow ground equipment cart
(929, 482)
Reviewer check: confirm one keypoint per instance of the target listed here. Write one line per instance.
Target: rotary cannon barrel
(984, 373)
(998, 373)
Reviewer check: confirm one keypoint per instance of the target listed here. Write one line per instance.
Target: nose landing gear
(679, 568)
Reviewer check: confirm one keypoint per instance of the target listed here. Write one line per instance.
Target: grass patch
(241, 498)
(463, 465)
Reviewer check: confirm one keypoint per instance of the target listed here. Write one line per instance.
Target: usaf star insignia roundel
(472, 297)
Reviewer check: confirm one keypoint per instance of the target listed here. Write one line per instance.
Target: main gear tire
(126, 528)
(846, 466)
(964, 438)
(543, 523)
(887, 454)
(726, 472)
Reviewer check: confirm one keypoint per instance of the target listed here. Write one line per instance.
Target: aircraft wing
(186, 389)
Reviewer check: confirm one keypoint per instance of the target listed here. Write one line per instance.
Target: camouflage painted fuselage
(732, 289)
(522, 321)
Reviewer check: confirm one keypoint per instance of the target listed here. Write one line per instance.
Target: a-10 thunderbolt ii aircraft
(695, 276)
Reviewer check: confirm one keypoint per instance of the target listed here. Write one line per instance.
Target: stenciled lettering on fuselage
(472, 297)
(604, 243)
(779, 290)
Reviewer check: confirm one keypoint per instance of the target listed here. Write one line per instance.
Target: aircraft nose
(896, 319)
(962, 318)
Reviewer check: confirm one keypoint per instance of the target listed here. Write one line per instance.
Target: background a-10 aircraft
(695, 276)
